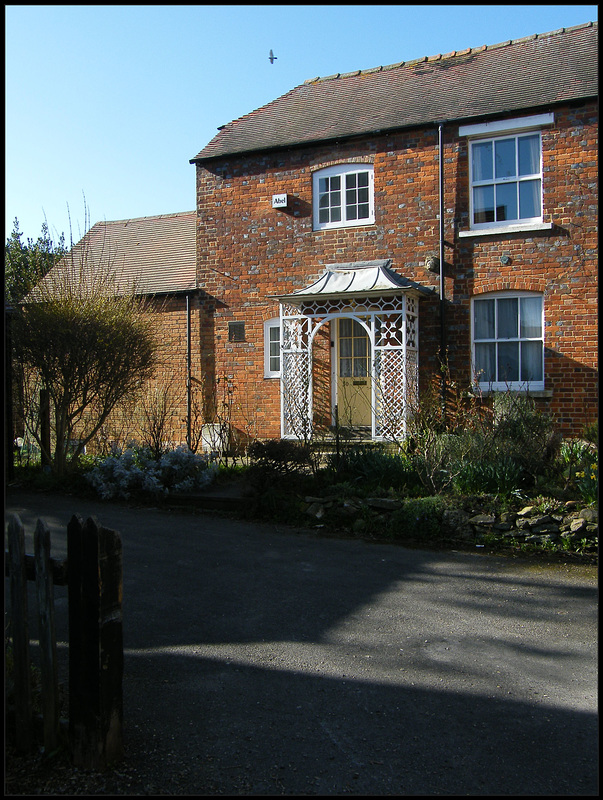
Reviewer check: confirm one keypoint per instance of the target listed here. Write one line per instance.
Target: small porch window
(272, 348)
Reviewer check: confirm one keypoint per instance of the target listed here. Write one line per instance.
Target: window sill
(537, 393)
(317, 228)
(536, 226)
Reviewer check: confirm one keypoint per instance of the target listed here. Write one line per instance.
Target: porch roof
(359, 278)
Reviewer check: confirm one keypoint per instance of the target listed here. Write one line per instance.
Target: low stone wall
(529, 524)
(568, 522)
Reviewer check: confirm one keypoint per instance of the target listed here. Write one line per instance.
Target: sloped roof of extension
(535, 71)
(155, 255)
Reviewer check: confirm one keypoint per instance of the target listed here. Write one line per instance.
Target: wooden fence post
(48, 645)
(95, 644)
(20, 635)
(45, 427)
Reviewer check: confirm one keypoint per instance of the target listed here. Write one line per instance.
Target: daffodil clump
(587, 481)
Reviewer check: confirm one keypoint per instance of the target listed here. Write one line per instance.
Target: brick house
(362, 227)
(154, 256)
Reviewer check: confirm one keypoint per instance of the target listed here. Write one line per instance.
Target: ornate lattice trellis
(392, 326)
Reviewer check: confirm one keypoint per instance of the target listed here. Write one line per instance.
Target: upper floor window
(343, 196)
(508, 341)
(506, 180)
(505, 173)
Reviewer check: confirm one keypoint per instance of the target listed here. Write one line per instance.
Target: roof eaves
(499, 111)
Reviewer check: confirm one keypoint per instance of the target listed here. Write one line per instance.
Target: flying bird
(272, 57)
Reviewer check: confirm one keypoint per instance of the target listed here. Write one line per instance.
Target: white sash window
(508, 341)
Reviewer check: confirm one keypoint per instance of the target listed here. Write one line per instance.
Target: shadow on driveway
(261, 660)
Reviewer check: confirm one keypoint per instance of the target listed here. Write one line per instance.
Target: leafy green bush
(440, 456)
(590, 433)
(419, 517)
(282, 456)
(513, 445)
(578, 460)
(523, 433)
(372, 467)
(500, 476)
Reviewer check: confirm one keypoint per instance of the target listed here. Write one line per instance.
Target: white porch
(383, 309)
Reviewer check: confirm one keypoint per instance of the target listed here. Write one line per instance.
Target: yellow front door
(353, 374)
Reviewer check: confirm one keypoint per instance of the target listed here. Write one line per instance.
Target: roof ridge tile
(147, 217)
(453, 53)
(581, 25)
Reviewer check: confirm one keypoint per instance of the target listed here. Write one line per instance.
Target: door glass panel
(360, 368)
(361, 346)
(345, 347)
(345, 327)
(345, 367)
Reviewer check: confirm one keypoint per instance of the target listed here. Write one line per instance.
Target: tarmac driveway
(261, 660)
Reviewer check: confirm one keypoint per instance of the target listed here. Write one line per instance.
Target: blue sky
(106, 104)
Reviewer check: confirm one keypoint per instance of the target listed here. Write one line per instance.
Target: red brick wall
(170, 315)
(248, 251)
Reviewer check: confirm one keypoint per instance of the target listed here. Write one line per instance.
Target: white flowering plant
(134, 472)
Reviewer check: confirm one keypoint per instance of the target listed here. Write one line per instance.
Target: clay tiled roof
(157, 255)
(538, 70)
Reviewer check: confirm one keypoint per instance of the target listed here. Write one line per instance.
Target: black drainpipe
(442, 287)
(9, 428)
(188, 371)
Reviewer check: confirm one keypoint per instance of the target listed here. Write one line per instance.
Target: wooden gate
(93, 575)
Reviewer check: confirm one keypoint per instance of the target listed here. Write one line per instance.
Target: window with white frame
(508, 341)
(343, 196)
(505, 173)
(506, 180)
(272, 348)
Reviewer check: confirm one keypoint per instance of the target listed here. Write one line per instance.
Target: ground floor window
(272, 348)
(508, 341)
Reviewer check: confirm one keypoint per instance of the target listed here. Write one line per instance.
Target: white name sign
(279, 201)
